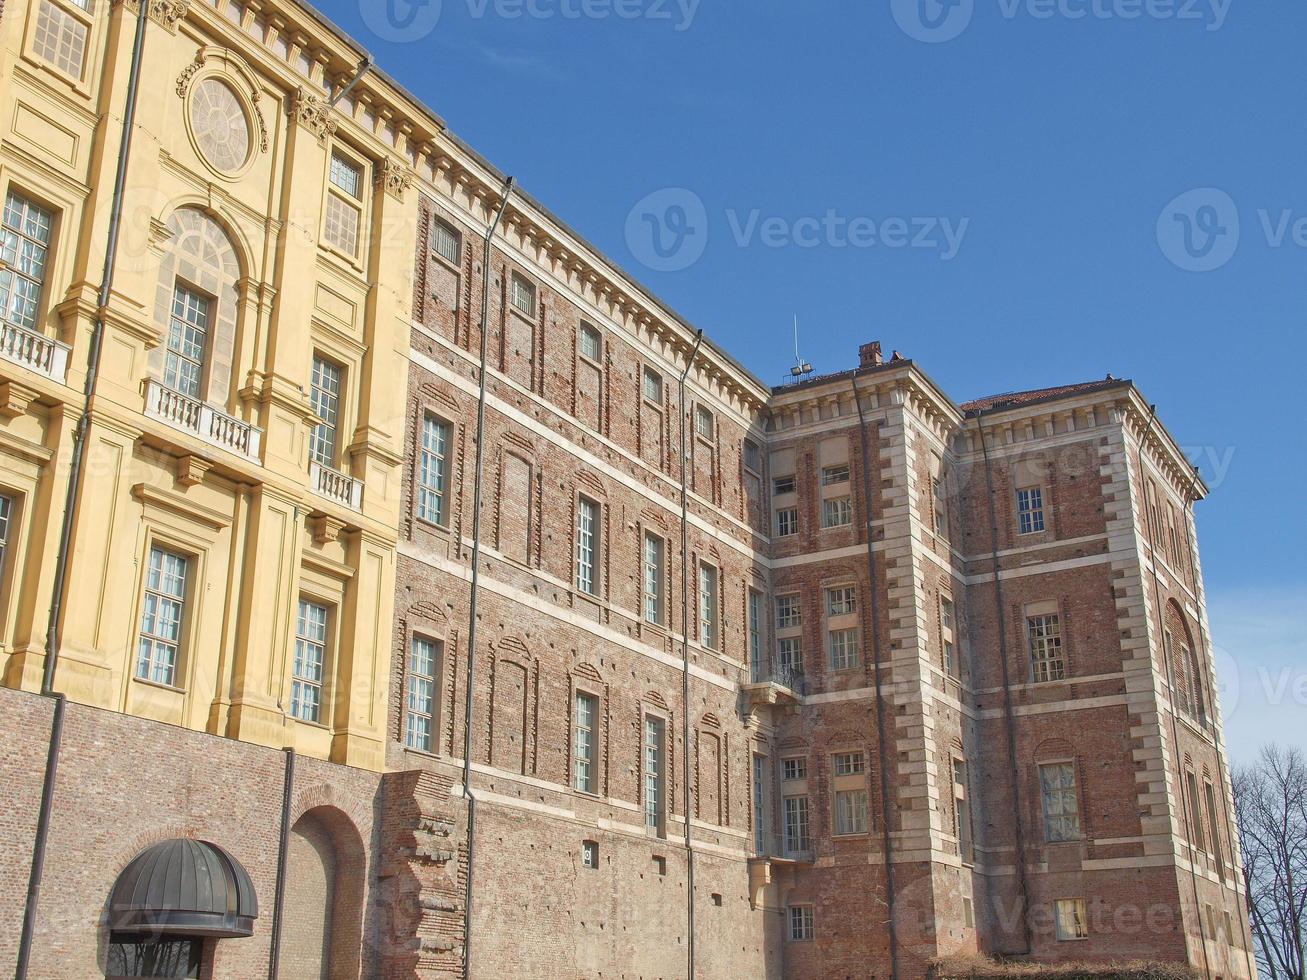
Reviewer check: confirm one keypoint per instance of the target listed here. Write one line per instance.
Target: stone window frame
(363, 203)
(196, 553)
(80, 15)
(19, 189)
(248, 109)
(320, 583)
(348, 355)
(11, 540)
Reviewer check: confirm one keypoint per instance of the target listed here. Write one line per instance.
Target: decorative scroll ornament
(188, 74)
(394, 177)
(167, 13)
(314, 115)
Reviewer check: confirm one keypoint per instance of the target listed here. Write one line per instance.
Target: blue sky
(989, 187)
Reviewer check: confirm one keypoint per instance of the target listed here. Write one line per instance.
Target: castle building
(821, 681)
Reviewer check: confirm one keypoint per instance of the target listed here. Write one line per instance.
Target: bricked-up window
(310, 667)
(850, 811)
(587, 545)
(709, 633)
(24, 248)
(590, 343)
(789, 612)
(802, 927)
(324, 396)
(590, 855)
(522, 294)
(1057, 789)
(163, 609)
(654, 791)
(842, 601)
(704, 423)
(962, 812)
(446, 242)
(583, 763)
(947, 637)
(756, 658)
(837, 512)
(651, 385)
(794, 814)
(420, 702)
(1030, 510)
(343, 211)
(1209, 793)
(843, 649)
(60, 38)
(834, 475)
(794, 768)
(1196, 837)
(1046, 660)
(787, 521)
(433, 471)
(1071, 919)
(655, 551)
(188, 332)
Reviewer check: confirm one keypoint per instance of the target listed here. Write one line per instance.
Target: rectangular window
(342, 214)
(801, 924)
(837, 512)
(1072, 920)
(324, 396)
(1030, 510)
(791, 654)
(1057, 788)
(6, 514)
(951, 665)
(653, 773)
(796, 768)
(851, 811)
(652, 385)
(842, 601)
(433, 471)
(522, 294)
(1046, 660)
(421, 694)
(188, 331)
(752, 456)
(310, 661)
(704, 423)
(60, 39)
(162, 611)
(756, 659)
(783, 485)
(587, 529)
(346, 175)
(759, 803)
(843, 649)
(833, 475)
(787, 522)
(795, 813)
(590, 855)
(708, 606)
(850, 764)
(962, 812)
(1208, 791)
(446, 242)
(591, 343)
(789, 612)
(654, 550)
(584, 767)
(1196, 837)
(24, 247)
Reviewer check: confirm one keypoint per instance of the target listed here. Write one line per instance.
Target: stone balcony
(772, 684)
(34, 351)
(210, 424)
(336, 486)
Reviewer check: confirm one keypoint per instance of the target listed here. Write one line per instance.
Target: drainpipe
(71, 500)
(1191, 498)
(1168, 664)
(476, 581)
(685, 662)
(868, 489)
(1023, 886)
(283, 852)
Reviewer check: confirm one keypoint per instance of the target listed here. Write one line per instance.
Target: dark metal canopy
(184, 887)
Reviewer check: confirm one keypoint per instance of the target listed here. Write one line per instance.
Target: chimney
(869, 355)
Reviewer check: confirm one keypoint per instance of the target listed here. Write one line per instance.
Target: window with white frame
(651, 385)
(653, 773)
(834, 475)
(947, 637)
(324, 397)
(842, 601)
(787, 521)
(61, 37)
(790, 651)
(1046, 660)
(794, 768)
(446, 242)
(343, 211)
(587, 545)
(310, 667)
(802, 927)
(789, 612)
(655, 550)
(708, 631)
(704, 422)
(163, 610)
(755, 633)
(522, 294)
(590, 342)
(843, 649)
(583, 763)
(433, 471)
(759, 799)
(24, 247)
(1071, 919)
(837, 512)
(782, 485)
(794, 824)
(188, 332)
(850, 811)
(1057, 788)
(1030, 510)
(420, 700)
(850, 764)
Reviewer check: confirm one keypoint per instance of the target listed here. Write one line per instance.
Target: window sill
(529, 318)
(423, 753)
(354, 262)
(431, 525)
(451, 266)
(852, 835)
(159, 685)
